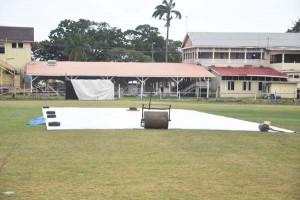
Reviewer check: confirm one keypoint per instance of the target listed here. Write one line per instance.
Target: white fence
(210, 94)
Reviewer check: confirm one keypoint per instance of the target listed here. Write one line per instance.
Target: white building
(279, 51)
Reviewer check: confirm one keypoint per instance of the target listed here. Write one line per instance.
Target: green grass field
(149, 164)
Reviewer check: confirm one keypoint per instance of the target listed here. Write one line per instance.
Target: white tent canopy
(93, 89)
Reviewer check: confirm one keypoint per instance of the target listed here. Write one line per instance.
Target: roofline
(284, 48)
(185, 39)
(276, 82)
(18, 26)
(29, 30)
(246, 47)
(214, 70)
(256, 75)
(93, 75)
(238, 32)
(6, 40)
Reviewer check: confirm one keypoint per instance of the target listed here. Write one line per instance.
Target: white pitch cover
(123, 118)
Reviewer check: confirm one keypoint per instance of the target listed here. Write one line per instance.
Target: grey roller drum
(156, 120)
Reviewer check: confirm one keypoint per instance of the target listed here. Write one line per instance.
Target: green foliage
(77, 47)
(49, 50)
(165, 12)
(295, 28)
(143, 38)
(86, 40)
(127, 55)
(174, 54)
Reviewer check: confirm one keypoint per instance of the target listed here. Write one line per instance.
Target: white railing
(201, 84)
(224, 61)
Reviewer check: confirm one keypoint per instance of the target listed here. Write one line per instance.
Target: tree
(295, 28)
(127, 55)
(146, 39)
(85, 40)
(44, 50)
(166, 9)
(103, 39)
(77, 47)
(99, 36)
(174, 51)
(67, 26)
(58, 45)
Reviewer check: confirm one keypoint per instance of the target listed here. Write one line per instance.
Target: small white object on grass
(8, 193)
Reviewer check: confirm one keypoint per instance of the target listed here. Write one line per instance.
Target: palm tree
(166, 9)
(77, 47)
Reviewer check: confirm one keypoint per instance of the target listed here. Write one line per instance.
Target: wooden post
(119, 91)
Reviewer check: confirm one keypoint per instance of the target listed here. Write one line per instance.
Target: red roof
(248, 71)
(117, 69)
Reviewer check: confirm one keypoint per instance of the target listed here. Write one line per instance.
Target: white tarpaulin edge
(93, 89)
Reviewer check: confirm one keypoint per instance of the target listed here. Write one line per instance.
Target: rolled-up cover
(264, 127)
(156, 120)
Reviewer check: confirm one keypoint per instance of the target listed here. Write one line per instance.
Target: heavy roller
(155, 116)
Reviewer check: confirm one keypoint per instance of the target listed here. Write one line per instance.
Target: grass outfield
(149, 164)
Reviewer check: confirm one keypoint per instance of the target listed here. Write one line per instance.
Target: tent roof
(117, 69)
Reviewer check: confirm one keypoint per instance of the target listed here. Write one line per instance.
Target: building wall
(284, 67)
(238, 90)
(17, 58)
(6, 80)
(291, 69)
(284, 90)
(204, 56)
(188, 43)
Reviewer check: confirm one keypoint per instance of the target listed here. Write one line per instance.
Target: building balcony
(224, 61)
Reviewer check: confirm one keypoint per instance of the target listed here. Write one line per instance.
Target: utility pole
(186, 23)
(152, 52)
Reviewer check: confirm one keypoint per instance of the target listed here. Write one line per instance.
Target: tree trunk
(167, 44)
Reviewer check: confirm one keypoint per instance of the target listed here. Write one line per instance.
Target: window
(239, 56)
(253, 55)
(2, 48)
(294, 75)
(222, 55)
(277, 58)
(246, 85)
(261, 86)
(292, 58)
(230, 85)
(17, 45)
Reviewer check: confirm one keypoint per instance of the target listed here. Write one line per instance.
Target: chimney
(51, 62)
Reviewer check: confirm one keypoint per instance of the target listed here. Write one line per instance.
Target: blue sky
(197, 15)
